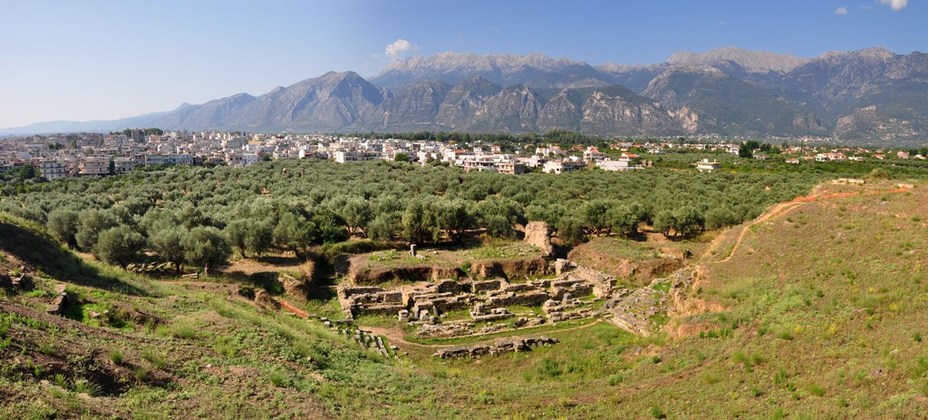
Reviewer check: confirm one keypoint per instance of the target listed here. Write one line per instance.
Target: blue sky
(105, 59)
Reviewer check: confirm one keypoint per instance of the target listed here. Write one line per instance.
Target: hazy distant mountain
(330, 102)
(729, 106)
(868, 95)
(463, 101)
(635, 78)
(531, 70)
(214, 113)
(884, 93)
(749, 61)
(145, 120)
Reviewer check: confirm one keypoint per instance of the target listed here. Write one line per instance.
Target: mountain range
(871, 95)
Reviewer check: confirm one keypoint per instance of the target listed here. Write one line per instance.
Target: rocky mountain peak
(750, 61)
(872, 54)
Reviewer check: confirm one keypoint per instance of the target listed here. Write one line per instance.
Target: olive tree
(119, 245)
(237, 232)
(206, 247)
(357, 214)
(295, 233)
(63, 225)
(169, 244)
(92, 222)
(259, 238)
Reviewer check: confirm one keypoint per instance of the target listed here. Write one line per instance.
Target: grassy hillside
(817, 310)
(824, 312)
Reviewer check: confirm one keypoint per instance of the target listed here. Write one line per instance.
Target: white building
(250, 159)
(708, 166)
(169, 159)
(592, 154)
(343, 156)
(53, 169)
(124, 164)
(560, 166)
(620, 165)
(94, 166)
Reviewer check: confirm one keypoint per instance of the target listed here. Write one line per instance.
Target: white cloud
(896, 5)
(398, 48)
(841, 11)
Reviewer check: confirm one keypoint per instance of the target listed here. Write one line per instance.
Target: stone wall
(499, 347)
(510, 269)
(538, 235)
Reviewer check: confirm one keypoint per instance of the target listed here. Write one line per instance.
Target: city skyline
(106, 59)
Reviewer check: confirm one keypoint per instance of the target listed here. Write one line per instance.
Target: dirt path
(396, 335)
(776, 210)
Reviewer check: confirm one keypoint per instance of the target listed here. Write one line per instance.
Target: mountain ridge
(729, 91)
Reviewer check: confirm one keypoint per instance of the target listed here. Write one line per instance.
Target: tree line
(201, 216)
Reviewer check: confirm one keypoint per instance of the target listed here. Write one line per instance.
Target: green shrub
(141, 374)
(48, 349)
(156, 359)
(279, 379)
(549, 368)
(332, 250)
(60, 380)
(247, 292)
(616, 379)
(84, 386)
(184, 331)
(816, 390)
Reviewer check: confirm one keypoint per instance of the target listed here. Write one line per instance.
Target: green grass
(663, 286)
(499, 249)
(394, 258)
(456, 315)
(329, 308)
(48, 349)
(378, 321)
(85, 386)
(625, 248)
(156, 358)
(279, 379)
(834, 333)
(494, 249)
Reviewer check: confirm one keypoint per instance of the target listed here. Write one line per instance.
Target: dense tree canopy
(197, 215)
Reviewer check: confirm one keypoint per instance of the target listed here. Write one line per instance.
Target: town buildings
(94, 154)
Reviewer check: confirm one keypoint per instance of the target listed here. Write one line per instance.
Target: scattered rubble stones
(633, 309)
(445, 330)
(365, 339)
(265, 301)
(151, 268)
(61, 302)
(516, 344)
(19, 282)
